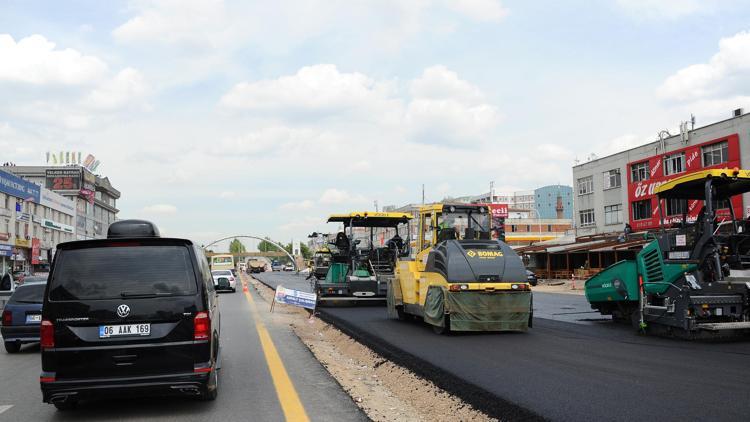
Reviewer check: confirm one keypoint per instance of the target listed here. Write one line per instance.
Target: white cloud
(296, 206)
(319, 88)
(160, 209)
(227, 195)
(438, 82)
(127, 87)
(448, 110)
(337, 196)
(552, 151)
(35, 60)
(174, 21)
(480, 10)
(78, 89)
(725, 70)
(662, 9)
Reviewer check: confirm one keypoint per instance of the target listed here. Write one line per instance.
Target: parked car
(276, 266)
(133, 314)
(288, 267)
(227, 274)
(22, 314)
(531, 277)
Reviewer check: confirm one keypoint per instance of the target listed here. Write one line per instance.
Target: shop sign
(6, 250)
(23, 243)
(499, 210)
(4, 236)
(35, 251)
(15, 186)
(645, 190)
(50, 224)
(63, 178)
(23, 216)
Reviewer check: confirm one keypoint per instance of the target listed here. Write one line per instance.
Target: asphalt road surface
(572, 366)
(246, 387)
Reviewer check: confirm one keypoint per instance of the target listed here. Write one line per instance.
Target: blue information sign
(15, 186)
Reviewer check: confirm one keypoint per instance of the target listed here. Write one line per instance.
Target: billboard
(643, 190)
(15, 186)
(63, 178)
(57, 202)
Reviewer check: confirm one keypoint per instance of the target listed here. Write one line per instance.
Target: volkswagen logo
(123, 311)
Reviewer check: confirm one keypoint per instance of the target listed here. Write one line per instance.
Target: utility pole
(422, 193)
(376, 206)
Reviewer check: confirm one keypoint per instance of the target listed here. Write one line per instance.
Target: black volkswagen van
(133, 314)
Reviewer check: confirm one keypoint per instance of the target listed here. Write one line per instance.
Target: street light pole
(539, 222)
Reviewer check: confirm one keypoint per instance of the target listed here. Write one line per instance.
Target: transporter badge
(471, 254)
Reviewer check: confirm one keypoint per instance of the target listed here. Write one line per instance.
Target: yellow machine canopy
(727, 183)
(370, 219)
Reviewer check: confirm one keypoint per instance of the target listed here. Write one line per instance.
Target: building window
(513, 227)
(612, 179)
(639, 172)
(613, 214)
(676, 206)
(714, 154)
(587, 218)
(642, 209)
(585, 185)
(674, 163)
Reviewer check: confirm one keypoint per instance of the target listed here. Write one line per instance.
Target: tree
(236, 246)
(265, 246)
(306, 252)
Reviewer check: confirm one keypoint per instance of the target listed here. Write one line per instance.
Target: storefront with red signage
(645, 175)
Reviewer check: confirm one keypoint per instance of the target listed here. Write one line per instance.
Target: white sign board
(295, 297)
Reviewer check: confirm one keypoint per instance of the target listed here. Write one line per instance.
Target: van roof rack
(132, 228)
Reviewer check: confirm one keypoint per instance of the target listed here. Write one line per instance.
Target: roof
(692, 186)
(441, 206)
(370, 219)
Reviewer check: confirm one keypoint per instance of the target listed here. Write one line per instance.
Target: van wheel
(211, 394)
(66, 405)
(445, 329)
(12, 346)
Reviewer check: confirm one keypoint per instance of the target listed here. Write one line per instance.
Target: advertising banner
(58, 202)
(295, 298)
(63, 178)
(643, 190)
(35, 251)
(15, 186)
(23, 243)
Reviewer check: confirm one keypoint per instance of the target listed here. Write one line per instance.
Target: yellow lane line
(290, 402)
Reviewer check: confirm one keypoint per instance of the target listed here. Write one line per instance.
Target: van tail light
(202, 324)
(7, 317)
(47, 335)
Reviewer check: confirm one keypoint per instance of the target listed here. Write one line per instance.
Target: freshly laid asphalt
(573, 365)
(246, 387)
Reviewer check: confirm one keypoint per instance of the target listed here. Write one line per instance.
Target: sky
(215, 118)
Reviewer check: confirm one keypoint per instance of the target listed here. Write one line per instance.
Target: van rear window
(119, 272)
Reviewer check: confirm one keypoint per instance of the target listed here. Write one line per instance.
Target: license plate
(34, 318)
(107, 331)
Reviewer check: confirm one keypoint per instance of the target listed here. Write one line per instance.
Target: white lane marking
(3, 408)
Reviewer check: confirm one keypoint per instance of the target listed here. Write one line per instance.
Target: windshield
(460, 221)
(33, 293)
(116, 272)
(222, 260)
(222, 272)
